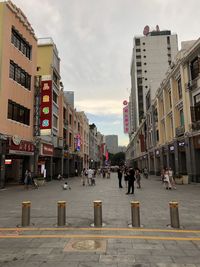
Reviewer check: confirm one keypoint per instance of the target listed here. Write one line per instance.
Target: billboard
(126, 119)
(46, 108)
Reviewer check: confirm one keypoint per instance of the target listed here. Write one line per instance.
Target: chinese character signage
(24, 147)
(78, 142)
(46, 108)
(126, 119)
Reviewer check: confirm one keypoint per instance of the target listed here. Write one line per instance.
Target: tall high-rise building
(69, 95)
(112, 143)
(152, 55)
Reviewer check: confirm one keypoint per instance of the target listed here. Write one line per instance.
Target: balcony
(195, 126)
(180, 131)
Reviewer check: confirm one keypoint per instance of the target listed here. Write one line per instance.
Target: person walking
(126, 177)
(138, 178)
(171, 178)
(131, 181)
(90, 174)
(145, 172)
(28, 179)
(166, 179)
(119, 174)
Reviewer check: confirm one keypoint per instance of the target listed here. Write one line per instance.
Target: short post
(174, 214)
(61, 213)
(26, 212)
(98, 213)
(135, 213)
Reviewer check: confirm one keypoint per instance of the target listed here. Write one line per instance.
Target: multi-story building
(152, 55)
(51, 145)
(175, 138)
(70, 97)
(112, 143)
(18, 47)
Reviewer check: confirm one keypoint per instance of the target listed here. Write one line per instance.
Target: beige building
(169, 136)
(18, 47)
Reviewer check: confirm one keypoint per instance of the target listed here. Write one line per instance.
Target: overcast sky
(95, 39)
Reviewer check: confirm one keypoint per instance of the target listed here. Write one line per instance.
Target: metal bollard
(61, 213)
(174, 214)
(135, 213)
(98, 213)
(26, 212)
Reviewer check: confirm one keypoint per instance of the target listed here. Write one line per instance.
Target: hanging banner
(46, 108)
(126, 119)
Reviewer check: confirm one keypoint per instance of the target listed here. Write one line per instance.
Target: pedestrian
(131, 180)
(126, 177)
(166, 179)
(66, 186)
(90, 176)
(28, 179)
(108, 174)
(145, 171)
(171, 178)
(138, 178)
(119, 174)
(83, 176)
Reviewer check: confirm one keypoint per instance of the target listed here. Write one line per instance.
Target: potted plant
(40, 180)
(178, 179)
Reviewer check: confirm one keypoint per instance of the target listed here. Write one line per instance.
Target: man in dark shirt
(131, 180)
(119, 172)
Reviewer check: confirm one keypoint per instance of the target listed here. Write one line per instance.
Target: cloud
(102, 107)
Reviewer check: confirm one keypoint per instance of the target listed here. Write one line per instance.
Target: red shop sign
(24, 147)
(47, 150)
(46, 106)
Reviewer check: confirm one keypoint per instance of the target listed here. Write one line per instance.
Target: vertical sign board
(46, 108)
(126, 119)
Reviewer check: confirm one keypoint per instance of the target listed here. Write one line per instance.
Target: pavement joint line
(102, 237)
(100, 229)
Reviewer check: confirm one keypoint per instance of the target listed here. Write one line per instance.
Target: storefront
(19, 158)
(45, 161)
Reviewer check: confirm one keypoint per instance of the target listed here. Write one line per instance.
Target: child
(66, 186)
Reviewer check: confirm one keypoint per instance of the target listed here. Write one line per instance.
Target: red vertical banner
(126, 119)
(46, 107)
(107, 156)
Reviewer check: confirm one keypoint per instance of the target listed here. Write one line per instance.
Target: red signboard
(47, 150)
(46, 107)
(126, 119)
(24, 147)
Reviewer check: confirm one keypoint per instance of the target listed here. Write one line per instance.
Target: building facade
(112, 143)
(152, 55)
(18, 47)
(170, 135)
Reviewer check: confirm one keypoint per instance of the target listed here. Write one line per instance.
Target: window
(145, 63)
(170, 100)
(138, 50)
(144, 56)
(181, 118)
(179, 88)
(55, 98)
(20, 43)
(19, 75)
(139, 64)
(55, 121)
(143, 43)
(145, 71)
(157, 135)
(18, 113)
(70, 119)
(144, 50)
(168, 40)
(55, 78)
(195, 68)
(70, 139)
(137, 42)
(138, 57)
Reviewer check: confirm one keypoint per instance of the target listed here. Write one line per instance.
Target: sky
(95, 40)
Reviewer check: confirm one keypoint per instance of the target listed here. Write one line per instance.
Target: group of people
(130, 176)
(88, 176)
(167, 178)
(29, 181)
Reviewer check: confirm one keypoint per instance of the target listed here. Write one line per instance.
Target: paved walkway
(116, 244)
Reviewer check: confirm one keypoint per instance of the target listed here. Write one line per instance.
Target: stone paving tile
(58, 264)
(81, 257)
(168, 252)
(97, 264)
(173, 265)
(187, 259)
(153, 259)
(117, 258)
(38, 251)
(20, 264)
(53, 245)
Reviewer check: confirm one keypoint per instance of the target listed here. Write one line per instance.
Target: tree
(117, 159)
